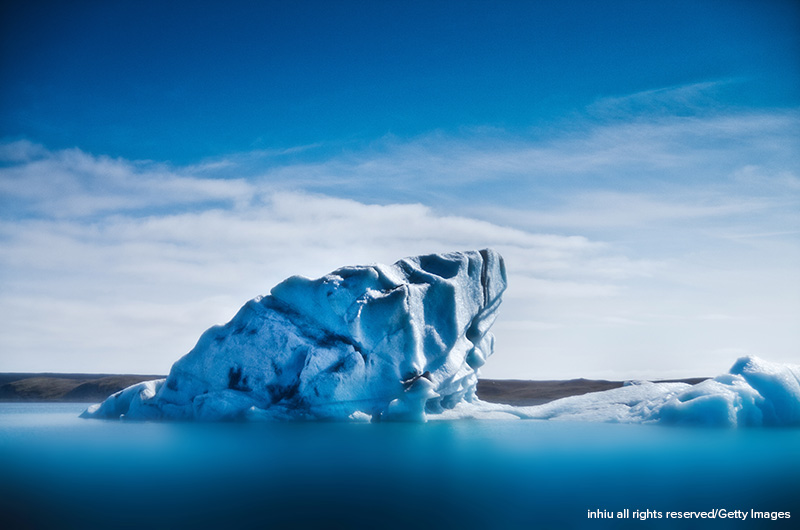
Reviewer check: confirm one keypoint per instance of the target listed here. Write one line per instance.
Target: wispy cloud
(690, 98)
(71, 184)
(609, 209)
(714, 162)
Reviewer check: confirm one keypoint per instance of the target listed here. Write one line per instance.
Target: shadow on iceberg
(371, 342)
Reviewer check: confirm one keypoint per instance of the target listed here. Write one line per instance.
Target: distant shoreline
(93, 388)
(55, 387)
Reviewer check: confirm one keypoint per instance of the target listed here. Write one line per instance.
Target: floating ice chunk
(124, 401)
(778, 384)
(726, 400)
(755, 392)
(389, 342)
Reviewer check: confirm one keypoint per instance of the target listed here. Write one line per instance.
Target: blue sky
(636, 163)
(180, 81)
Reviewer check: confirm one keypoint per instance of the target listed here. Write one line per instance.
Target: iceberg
(753, 393)
(373, 342)
(405, 342)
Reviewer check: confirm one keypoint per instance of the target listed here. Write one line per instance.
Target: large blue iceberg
(369, 342)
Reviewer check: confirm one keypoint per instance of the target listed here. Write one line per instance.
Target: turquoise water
(59, 471)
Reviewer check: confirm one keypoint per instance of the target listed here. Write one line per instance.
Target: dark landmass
(93, 388)
(81, 388)
(526, 393)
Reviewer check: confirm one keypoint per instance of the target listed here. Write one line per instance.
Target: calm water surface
(59, 471)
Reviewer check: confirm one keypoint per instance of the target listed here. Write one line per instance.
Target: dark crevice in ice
(236, 381)
(485, 276)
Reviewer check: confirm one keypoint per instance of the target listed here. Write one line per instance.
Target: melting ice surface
(405, 342)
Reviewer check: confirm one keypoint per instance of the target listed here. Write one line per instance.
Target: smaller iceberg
(753, 393)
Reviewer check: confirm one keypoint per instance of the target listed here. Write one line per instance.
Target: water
(59, 471)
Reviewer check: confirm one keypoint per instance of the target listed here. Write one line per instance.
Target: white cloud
(20, 151)
(70, 183)
(626, 243)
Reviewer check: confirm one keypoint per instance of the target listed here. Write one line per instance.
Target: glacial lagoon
(60, 471)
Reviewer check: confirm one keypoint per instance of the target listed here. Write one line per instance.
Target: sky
(636, 163)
